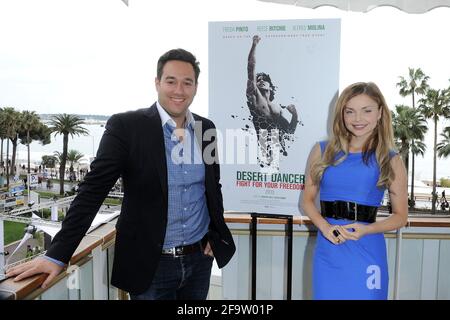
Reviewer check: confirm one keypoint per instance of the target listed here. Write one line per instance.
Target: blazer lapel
(156, 147)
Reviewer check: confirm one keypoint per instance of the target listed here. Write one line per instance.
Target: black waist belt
(348, 210)
(183, 250)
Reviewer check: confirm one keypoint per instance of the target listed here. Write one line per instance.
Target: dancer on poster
(274, 123)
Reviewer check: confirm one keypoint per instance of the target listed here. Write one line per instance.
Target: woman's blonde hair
(380, 142)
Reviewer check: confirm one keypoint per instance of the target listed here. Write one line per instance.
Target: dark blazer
(133, 147)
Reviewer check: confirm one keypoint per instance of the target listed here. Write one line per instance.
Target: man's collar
(166, 118)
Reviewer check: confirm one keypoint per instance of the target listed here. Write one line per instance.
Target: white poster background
(302, 59)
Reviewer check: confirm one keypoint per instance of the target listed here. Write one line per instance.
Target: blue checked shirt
(188, 217)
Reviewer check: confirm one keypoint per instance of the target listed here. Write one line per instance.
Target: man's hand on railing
(33, 267)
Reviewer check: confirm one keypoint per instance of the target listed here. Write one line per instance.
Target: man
(171, 224)
(270, 119)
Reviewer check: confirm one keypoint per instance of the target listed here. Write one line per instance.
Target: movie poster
(271, 87)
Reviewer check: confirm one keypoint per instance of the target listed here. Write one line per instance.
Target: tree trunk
(7, 163)
(434, 197)
(404, 151)
(62, 165)
(13, 156)
(28, 149)
(412, 203)
(1, 154)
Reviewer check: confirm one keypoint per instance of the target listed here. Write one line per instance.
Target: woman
(351, 171)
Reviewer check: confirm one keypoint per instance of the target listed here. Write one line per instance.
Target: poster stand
(289, 240)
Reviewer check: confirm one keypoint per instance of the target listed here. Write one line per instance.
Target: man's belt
(183, 250)
(348, 210)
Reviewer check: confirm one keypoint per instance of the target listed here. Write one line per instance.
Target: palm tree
(443, 147)
(434, 105)
(14, 142)
(409, 125)
(58, 159)
(66, 124)
(417, 83)
(73, 157)
(29, 121)
(2, 136)
(10, 124)
(49, 161)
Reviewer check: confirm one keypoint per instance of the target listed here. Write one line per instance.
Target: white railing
(418, 258)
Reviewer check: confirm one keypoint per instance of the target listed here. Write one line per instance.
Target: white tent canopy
(410, 6)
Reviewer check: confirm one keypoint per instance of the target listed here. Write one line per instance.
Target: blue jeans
(180, 278)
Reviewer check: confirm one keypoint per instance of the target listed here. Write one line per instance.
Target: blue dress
(353, 269)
